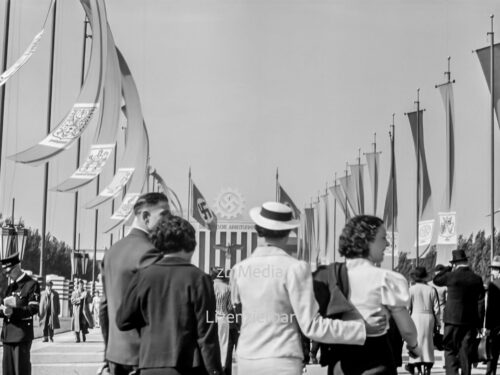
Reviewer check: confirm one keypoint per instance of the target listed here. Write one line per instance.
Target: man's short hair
(149, 199)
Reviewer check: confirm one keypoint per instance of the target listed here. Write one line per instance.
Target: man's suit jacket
(173, 304)
(493, 308)
(465, 303)
(55, 309)
(119, 264)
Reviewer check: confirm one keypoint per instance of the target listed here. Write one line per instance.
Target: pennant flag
(484, 56)
(202, 213)
(447, 95)
(317, 224)
(372, 160)
(447, 229)
(391, 199)
(175, 203)
(341, 199)
(425, 185)
(309, 235)
(284, 198)
(75, 122)
(324, 227)
(357, 173)
(349, 191)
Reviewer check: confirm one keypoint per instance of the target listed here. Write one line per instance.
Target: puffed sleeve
(395, 291)
(306, 309)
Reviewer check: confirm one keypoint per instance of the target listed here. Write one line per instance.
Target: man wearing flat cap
(463, 314)
(492, 323)
(19, 304)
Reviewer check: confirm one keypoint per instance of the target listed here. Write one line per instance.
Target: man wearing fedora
(19, 304)
(463, 315)
(492, 322)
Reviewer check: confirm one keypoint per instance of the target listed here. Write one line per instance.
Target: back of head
(174, 234)
(357, 234)
(149, 199)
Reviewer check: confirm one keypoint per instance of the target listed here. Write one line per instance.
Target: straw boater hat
(495, 263)
(274, 216)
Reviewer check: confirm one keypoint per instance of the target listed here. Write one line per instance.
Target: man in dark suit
(119, 264)
(492, 323)
(172, 303)
(463, 315)
(19, 304)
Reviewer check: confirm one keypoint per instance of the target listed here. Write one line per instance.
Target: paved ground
(65, 357)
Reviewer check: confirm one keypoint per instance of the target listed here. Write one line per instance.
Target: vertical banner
(447, 229)
(391, 199)
(357, 173)
(388, 249)
(341, 199)
(483, 55)
(284, 198)
(372, 161)
(425, 228)
(349, 190)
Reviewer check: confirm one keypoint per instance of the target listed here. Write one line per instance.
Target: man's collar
(135, 226)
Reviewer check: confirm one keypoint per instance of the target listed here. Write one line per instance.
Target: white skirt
(270, 366)
(223, 331)
(425, 329)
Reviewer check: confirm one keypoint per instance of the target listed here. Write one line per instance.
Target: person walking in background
(94, 307)
(172, 304)
(492, 322)
(373, 290)
(81, 320)
(118, 266)
(224, 314)
(275, 291)
(49, 312)
(19, 304)
(424, 310)
(464, 313)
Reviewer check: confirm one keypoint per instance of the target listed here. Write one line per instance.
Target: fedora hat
(458, 256)
(419, 273)
(274, 216)
(495, 263)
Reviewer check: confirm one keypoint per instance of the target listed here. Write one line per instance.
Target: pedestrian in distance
(425, 312)
(118, 266)
(82, 320)
(172, 304)
(19, 304)
(463, 315)
(94, 308)
(492, 323)
(275, 291)
(49, 312)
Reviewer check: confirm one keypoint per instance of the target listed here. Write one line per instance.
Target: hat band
(277, 216)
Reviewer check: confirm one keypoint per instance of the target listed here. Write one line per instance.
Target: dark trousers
(119, 369)
(233, 340)
(16, 359)
(495, 351)
(459, 347)
(47, 330)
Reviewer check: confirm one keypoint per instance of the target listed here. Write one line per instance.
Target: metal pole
(492, 140)
(49, 120)
(375, 174)
(113, 200)
(393, 182)
(189, 194)
(96, 221)
(335, 223)
(4, 68)
(418, 174)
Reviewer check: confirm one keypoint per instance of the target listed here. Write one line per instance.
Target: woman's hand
(413, 350)
(376, 324)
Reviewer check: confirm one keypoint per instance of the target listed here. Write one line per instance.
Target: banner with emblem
(447, 228)
(388, 249)
(201, 212)
(425, 228)
(126, 206)
(120, 179)
(96, 159)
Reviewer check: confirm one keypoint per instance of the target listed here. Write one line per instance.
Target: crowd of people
(161, 315)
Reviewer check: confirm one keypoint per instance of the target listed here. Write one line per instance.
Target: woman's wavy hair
(174, 234)
(357, 234)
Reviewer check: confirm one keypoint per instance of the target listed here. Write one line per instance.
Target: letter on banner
(425, 232)
(95, 162)
(447, 228)
(72, 127)
(388, 249)
(119, 181)
(126, 207)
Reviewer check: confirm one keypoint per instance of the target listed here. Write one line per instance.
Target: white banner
(4, 77)
(126, 207)
(119, 180)
(95, 162)
(425, 232)
(447, 228)
(388, 249)
(72, 126)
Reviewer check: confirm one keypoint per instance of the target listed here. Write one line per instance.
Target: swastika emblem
(204, 210)
(229, 204)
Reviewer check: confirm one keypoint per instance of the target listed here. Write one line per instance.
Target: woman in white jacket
(277, 300)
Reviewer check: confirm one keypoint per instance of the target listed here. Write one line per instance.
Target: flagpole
(49, 120)
(393, 182)
(96, 223)
(78, 147)
(189, 194)
(335, 222)
(113, 200)
(375, 175)
(346, 200)
(277, 187)
(492, 140)
(4, 68)
(418, 175)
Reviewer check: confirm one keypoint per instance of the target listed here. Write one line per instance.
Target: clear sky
(236, 88)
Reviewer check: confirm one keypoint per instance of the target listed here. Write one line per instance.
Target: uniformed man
(19, 304)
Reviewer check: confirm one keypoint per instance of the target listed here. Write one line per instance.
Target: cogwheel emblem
(229, 204)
